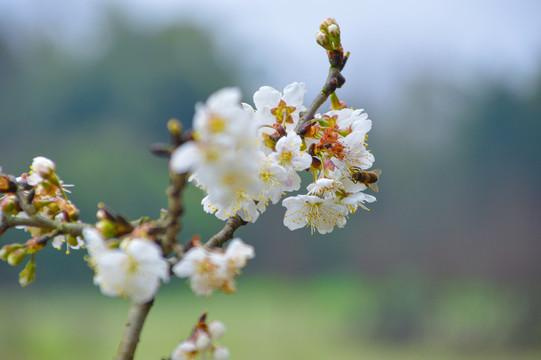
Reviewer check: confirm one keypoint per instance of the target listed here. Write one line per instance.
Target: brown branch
(132, 330)
(232, 224)
(334, 81)
(38, 220)
(175, 210)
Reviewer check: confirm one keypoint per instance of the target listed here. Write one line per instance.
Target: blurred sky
(391, 41)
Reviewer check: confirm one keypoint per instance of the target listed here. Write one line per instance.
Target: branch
(38, 220)
(132, 331)
(232, 224)
(175, 210)
(335, 80)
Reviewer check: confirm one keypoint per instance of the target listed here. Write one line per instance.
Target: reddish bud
(9, 205)
(8, 184)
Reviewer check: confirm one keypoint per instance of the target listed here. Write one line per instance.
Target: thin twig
(134, 324)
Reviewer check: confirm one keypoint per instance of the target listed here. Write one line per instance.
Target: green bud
(28, 274)
(174, 126)
(8, 249)
(322, 39)
(107, 228)
(16, 257)
(71, 240)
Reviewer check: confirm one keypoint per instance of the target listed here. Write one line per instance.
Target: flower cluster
(201, 342)
(36, 197)
(134, 269)
(245, 158)
(214, 269)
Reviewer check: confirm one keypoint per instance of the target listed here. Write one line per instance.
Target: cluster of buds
(200, 343)
(39, 195)
(328, 37)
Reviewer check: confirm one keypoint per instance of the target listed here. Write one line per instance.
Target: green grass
(325, 318)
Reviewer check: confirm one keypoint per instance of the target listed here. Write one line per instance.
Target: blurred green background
(447, 263)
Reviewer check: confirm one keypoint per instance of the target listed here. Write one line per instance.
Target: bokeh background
(447, 263)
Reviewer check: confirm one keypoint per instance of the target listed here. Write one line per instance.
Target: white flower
(352, 119)
(232, 179)
(58, 241)
(211, 270)
(353, 201)
(186, 350)
(185, 158)
(275, 179)
(237, 254)
(220, 353)
(320, 214)
(222, 114)
(242, 205)
(134, 271)
(221, 126)
(41, 168)
(354, 153)
(224, 155)
(324, 187)
(289, 154)
(268, 98)
(207, 270)
(95, 245)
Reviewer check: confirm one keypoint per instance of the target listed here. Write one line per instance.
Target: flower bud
(185, 350)
(72, 241)
(9, 205)
(107, 228)
(216, 329)
(202, 341)
(16, 257)
(334, 30)
(322, 39)
(43, 166)
(174, 126)
(8, 184)
(27, 275)
(8, 249)
(104, 213)
(327, 22)
(220, 353)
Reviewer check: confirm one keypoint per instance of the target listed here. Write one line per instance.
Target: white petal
(185, 158)
(266, 97)
(294, 93)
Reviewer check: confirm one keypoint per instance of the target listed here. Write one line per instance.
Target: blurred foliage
(269, 318)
